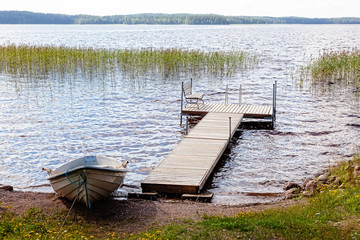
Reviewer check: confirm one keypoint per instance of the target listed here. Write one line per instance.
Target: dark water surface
(47, 122)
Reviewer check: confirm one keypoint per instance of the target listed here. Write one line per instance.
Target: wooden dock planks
(216, 126)
(187, 168)
(249, 111)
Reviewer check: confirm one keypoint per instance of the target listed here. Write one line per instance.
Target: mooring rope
(74, 183)
(86, 191)
(72, 205)
(80, 183)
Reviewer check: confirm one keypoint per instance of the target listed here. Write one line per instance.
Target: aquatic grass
(333, 67)
(37, 62)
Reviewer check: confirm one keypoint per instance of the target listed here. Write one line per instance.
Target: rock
(310, 188)
(7, 188)
(356, 172)
(311, 185)
(292, 193)
(290, 185)
(337, 181)
(323, 177)
(317, 174)
(332, 179)
(303, 185)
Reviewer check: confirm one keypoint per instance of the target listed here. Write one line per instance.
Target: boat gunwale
(84, 167)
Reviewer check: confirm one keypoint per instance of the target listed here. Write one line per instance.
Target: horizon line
(176, 14)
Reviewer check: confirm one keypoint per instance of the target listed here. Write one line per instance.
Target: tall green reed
(32, 62)
(334, 66)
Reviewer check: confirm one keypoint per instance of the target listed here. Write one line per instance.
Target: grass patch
(299, 222)
(333, 67)
(35, 224)
(34, 62)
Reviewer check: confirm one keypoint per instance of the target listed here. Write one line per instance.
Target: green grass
(333, 213)
(34, 224)
(334, 66)
(34, 62)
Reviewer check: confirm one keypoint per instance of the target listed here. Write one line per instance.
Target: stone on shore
(7, 188)
(310, 188)
(323, 177)
(292, 193)
(356, 172)
(290, 185)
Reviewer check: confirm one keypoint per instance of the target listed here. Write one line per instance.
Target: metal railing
(227, 94)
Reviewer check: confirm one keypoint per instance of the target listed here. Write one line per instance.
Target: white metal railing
(227, 94)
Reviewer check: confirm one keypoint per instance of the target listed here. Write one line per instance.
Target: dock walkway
(187, 168)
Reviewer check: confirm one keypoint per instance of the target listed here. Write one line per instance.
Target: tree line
(24, 17)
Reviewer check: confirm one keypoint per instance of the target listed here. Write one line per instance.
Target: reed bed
(33, 62)
(334, 66)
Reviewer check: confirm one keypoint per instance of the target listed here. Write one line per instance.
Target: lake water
(48, 122)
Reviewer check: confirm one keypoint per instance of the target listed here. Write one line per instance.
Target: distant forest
(23, 17)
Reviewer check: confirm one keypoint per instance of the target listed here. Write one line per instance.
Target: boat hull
(87, 183)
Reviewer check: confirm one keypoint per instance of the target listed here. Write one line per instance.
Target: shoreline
(128, 218)
(135, 215)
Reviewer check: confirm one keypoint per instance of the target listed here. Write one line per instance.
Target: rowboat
(87, 179)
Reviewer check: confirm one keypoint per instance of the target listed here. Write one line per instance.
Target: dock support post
(240, 90)
(274, 103)
(229, 145)
(227, 94)
(275, 97)
(182, 101)
(229, 128)
(187, 126)
(275, 93)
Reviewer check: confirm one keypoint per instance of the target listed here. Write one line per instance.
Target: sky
(273, 8)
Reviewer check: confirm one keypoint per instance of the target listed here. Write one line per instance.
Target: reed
(334, 66)
(32, 62)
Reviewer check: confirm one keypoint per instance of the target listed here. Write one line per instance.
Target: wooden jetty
(189, 165)
(187, 168)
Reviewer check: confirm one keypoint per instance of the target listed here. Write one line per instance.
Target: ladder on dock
(187, 168)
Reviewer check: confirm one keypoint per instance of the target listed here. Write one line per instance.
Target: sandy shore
(134, 215)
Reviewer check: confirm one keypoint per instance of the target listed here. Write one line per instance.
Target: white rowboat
(88, 179)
